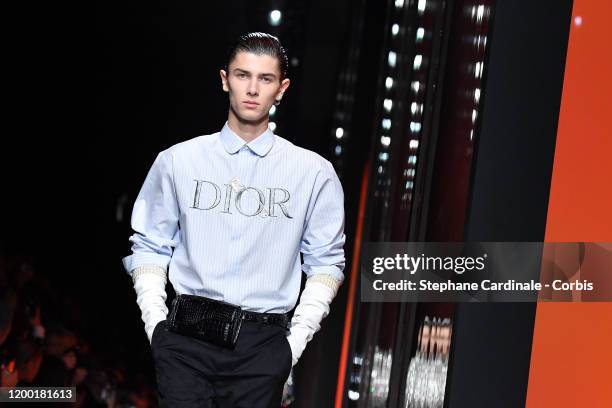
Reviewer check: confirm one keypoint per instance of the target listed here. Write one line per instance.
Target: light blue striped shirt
(229, 219)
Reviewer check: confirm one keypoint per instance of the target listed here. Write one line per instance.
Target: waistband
(278, 319)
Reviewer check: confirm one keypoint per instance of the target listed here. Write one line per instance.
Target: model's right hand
(150, 287)
(153, 332)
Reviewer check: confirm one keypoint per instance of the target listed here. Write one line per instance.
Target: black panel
(510, 187)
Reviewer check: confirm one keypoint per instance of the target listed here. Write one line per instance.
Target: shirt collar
(261, 145)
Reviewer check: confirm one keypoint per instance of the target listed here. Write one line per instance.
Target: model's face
(253, 83)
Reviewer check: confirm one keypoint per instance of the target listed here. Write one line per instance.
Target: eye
(267, 80)
(241, 75)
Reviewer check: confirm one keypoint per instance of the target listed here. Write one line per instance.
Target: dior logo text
(248, 201)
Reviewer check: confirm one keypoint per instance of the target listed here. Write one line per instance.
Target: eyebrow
(265, 74)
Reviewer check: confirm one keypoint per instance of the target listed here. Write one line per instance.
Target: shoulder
(187, 149)
(304, 157)
(193, 145)
(183, 151)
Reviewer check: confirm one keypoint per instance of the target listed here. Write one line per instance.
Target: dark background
(101, 89)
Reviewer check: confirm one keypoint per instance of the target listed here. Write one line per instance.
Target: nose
(253, 89)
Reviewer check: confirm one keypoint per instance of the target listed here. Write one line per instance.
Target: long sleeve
(323, 238)
(154, 218)
(323, 249)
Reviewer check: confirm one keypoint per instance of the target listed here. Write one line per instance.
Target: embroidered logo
(248, 201)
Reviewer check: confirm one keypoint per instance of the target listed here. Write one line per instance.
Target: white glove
(313, 307)
(150, 286)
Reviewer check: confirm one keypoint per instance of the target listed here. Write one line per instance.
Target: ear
(283, 88)
(224, 85)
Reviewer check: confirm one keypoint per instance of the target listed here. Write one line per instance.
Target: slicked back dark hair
(259, 44)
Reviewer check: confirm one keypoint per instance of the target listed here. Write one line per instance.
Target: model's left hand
(310, 311)
(288, 393)
(297, 338)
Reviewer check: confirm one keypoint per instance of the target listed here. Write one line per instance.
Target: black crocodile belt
(279, 319)
(214, 321)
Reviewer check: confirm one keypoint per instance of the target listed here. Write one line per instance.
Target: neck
(247, 130)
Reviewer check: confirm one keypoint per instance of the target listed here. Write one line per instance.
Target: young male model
(228, 215)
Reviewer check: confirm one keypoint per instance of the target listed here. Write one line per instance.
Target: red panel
(571, 354)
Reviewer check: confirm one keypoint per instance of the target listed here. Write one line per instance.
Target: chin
(250, 116)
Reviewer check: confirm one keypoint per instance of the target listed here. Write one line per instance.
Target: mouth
(251, 104)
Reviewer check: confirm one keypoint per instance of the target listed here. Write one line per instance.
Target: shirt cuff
(139, 259)
(331, 270)
(326, 280)
(154, 269)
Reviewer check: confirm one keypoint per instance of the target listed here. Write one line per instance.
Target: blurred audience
(37, 348)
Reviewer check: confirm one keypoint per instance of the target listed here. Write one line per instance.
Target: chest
(245, 187)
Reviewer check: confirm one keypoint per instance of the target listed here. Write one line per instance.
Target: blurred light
(415, 86)
(272, 126)
(474, 115)
(394, 29)
(122, 201)
(421, 6)
(399, 3)
(471, 134)
(272, 110)
(392, 58)
(380, 169)
(339, 132)
(412, 159)
(480, 39)
(414, 107)
(386, 124)
(478, 70)
(385, 140)
(415, 126)
(414, 144)
(578, 21)
(388, 104)
(418, 59)
(420, 34)
(275, 17)
(338, 150)
(476, 95)
(389, 83)
(480, 13)
(294, 62)
(353, 395)
(409, 185)
(383, 156)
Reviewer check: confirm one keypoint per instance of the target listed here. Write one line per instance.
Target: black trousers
(194, 373)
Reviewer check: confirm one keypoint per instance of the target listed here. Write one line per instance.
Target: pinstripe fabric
(229, 219)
